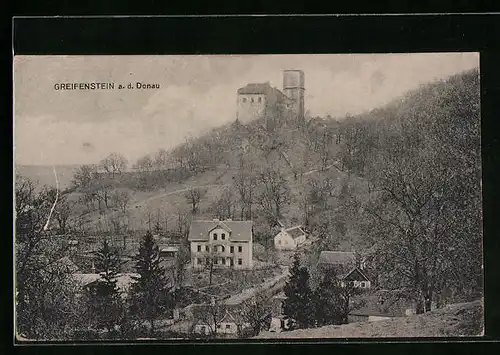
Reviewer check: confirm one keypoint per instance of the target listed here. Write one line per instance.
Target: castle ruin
(262, 101)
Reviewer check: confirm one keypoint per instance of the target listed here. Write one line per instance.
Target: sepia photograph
(263, 197)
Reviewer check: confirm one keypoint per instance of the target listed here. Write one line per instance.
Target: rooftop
(336, 257)
(238, 230)
(295, 232)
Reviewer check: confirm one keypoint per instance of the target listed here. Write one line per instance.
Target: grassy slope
(464, 319)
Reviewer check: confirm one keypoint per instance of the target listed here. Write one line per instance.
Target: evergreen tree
(149, 293)
(299, 303)
(103, 297)
(328, 300)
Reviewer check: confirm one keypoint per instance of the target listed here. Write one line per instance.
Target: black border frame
(242, 34)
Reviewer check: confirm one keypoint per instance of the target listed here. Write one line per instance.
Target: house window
(218, 326)
(228, 326)
(216, 261)
(279, 242)
(240, 248)
(223, 261)
(252, 99)
(200, 261)
(199, 247)
(207, 248)
(240, 261)
(207, 260)
(203, 329)
(215, 236)
(223, 236)
(244, 99)
(260, 99)
(232, 249)
(222, 249)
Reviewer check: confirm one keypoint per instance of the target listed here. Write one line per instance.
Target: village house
(289, 239)
(226, 244)
(227, 320)
(347, 267)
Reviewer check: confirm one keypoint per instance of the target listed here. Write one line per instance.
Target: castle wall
(251, 107)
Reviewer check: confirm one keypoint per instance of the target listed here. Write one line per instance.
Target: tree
(211, 315)
(194, 196)
(150, 288)
(333, 299)
(426, 208)
(114, 163)
(245, 184)
(299, 303)
(223, 207)
(121, 199)
(83, 176)
(46, 304)
(274, 194)
(210, 258)
(62, 213)
(161, 159)
(103, 298)
(255, 312)
(144, 164)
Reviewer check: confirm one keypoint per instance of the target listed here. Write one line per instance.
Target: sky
(197, 93)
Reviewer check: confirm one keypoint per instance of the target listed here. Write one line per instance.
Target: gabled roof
(336, 257)
(239, 230)
(356, 271)
(295, 232)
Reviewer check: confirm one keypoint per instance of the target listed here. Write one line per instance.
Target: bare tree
(274, 194)
(224, 206)
(256, 311)
(121, 199)
(84, 175)
(161, 159)
(114, 163)
(144, 164)
(194, 196)
(210, 315)
(245, 184)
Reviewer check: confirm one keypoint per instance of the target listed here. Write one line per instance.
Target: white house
(224, 244)
(289, 239)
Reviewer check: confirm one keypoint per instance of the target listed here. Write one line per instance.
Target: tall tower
(294, 87)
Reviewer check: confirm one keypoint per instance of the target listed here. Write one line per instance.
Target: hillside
(464, 319)
(319, 162)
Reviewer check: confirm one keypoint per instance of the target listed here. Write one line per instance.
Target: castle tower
(294, 87)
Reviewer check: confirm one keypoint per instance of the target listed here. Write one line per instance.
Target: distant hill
(44, 174)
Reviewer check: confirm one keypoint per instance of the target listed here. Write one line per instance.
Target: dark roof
(295, 232)
(356, 275)
(255, 88)
(238, 230)
(336, 257)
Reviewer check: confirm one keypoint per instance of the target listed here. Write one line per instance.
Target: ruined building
(262, 101)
